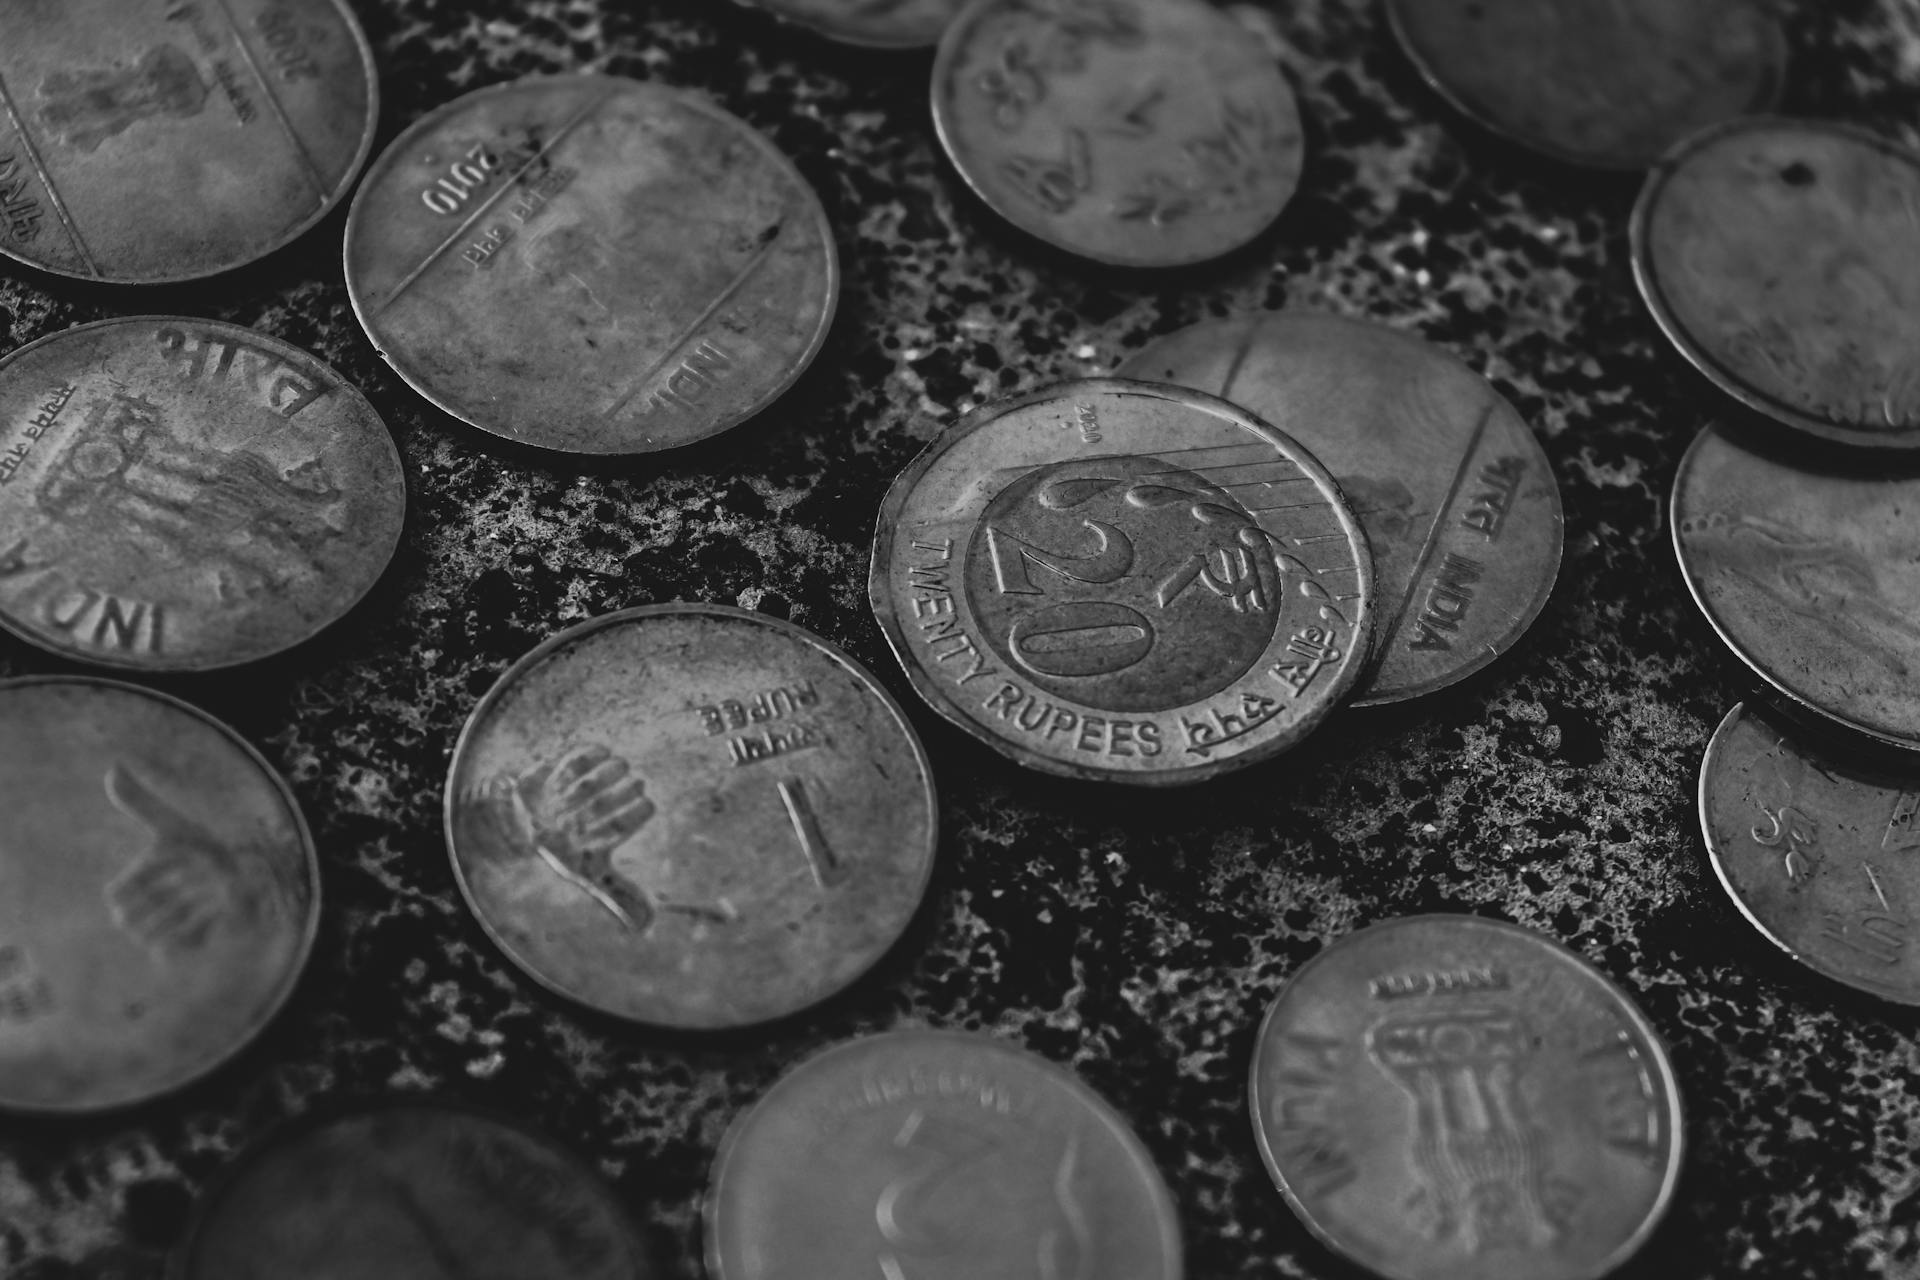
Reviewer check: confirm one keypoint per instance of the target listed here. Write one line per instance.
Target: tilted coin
(158, 894)
(1609, 84)
(146, 143)
(591, 265)
(1782, 257)
(1139, 133)
(407, 1190)
(1452, 1098)
(882, 24)
(179, 495)
(1458, 501)
(691, 816)
(928, 1153)
(1124, 581)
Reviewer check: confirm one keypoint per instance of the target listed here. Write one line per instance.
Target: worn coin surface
(1452, 1098)
(158, 894)
(179, 495)
(145, 143)
(1810, 571)
(691, 816)
(1783, 258)
(1818, 852)
(880, 24)
(590, 264)
(1608, 84)
(409, 1190)
(1138, 133)
(929, 1153)
(1458, 501)
(1124, 581)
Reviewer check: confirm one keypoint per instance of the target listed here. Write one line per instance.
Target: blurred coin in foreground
(878, 24)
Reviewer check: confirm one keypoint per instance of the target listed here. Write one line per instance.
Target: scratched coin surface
(880, 24)
(1817, 851)
(691, 816)
(936, 1154)
(406, 1190)
(1124, 581)
(1607, 84)
(591, 265)
(1809, 569)
(180, 495)
(1138, 133)
(1452, 1098)
(1783, 258)
(1457, 498)
(156, 142)
(158, 894)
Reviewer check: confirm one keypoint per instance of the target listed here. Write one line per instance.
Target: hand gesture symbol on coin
(184, 883)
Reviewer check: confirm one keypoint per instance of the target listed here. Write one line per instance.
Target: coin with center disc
(928, 1153)
(691, 816)
(1138, 133)
(147, 143)
(180, 495)
(1608, 84)
(1451, 1098)
(158, 894)
(411, 1190)
(591, 265)
(1124, 581)
(879, 24)
(1458, 501)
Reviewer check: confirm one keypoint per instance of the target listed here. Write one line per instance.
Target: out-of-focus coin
(1783, 258)
(179, 495)
(1810, 571)
(1140, 133)
(158, 894)
(1608, 84)
(1817, 852)
(927, 1153)
(411, 1190)
(591, 265)
(880, 24)
(141, 144)
(691, 816)
(1458, 501)
(1124, 581)
(1451, 1098)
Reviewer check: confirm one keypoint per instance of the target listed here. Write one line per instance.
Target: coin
(691, 816)
(142, 144)
(158, 894)
(928, 1153)
(1452, 1098)
(1458, 501)
(410, 1189)
(180, 495)
(1783, 258)
(591, 265)
(881, 24)
(1132, 133)
(1123, 581)
(1809, 569)
(1608, 84)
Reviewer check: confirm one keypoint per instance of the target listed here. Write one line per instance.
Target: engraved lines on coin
(22, 215)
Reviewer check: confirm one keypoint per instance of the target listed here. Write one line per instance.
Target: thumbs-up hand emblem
(184, 883)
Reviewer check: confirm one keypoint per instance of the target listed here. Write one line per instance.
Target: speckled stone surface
(1137, 938)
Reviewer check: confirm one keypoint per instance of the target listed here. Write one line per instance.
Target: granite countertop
(1138, 938)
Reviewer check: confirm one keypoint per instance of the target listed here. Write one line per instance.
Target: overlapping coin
(180, 495)
(1138, 133)
(926, 1153)
(1458, 501)
(160, 142)
(1783, 258)
(158, 894)
(879, 24)
(1452, 1098)
(1124, 581)
(691, 816)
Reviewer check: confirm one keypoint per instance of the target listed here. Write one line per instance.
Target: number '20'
(449, 194)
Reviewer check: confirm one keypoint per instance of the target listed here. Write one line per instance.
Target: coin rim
(1623, 1004)
(521, 667)
(692, 99)
(839, 35)
(309, 933)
